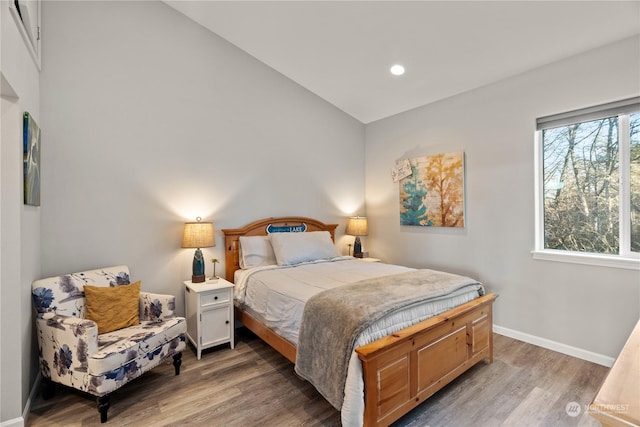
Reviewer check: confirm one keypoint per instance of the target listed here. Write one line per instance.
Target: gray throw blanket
(333, 319)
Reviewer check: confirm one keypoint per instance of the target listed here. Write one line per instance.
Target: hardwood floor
(252, 385)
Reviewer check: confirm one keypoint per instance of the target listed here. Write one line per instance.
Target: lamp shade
(357, 226)
(198, 235)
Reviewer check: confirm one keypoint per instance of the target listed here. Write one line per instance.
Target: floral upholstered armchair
(75, 351)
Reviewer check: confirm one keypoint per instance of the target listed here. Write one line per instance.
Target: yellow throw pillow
(113, 308)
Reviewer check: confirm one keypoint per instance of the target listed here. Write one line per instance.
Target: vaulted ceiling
(342, 50)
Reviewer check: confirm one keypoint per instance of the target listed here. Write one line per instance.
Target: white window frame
(626, 259)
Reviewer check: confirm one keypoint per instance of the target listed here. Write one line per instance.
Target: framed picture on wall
(433, 194)
(31, 159)
(27, 16)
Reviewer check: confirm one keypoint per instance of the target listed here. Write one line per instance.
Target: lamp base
(357, 248)
(198, 279)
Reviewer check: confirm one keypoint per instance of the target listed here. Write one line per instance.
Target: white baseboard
(589, 356)
(16, 422)
(21, 421)
(32, 396)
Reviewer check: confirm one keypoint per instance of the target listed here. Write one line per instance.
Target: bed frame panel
(405, 368)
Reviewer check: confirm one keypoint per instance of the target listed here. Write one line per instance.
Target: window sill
(613, 261)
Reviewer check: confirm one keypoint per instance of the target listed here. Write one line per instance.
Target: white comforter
(276, 296)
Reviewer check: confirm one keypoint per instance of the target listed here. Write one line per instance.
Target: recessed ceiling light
(397, 70)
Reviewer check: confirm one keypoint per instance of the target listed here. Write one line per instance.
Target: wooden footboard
(403, 369)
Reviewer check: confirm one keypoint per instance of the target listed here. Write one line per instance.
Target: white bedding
(276, 296)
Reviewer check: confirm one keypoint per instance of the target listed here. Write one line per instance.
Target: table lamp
(198, 235)
(357, 226)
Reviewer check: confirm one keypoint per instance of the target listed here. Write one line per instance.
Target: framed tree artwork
(31, 159)
(433, 195)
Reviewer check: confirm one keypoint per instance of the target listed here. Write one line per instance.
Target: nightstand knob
(215, 297)
(227, 322)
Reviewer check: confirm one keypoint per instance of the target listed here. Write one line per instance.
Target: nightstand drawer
(215, 297)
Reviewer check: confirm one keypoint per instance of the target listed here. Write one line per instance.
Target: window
(588, 185)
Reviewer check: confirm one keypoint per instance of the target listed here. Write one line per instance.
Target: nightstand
(209, 312)
(369, 259)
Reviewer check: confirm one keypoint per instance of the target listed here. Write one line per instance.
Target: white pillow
(296, 248)
(256, 251)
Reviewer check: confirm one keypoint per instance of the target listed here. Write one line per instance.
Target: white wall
(19, 224)
(592, 309)
(151, 120)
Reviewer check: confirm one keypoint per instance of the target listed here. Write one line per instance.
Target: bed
(388, 373)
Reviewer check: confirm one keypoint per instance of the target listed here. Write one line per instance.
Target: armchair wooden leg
(103, 407)
(48, 389)
(177, 361)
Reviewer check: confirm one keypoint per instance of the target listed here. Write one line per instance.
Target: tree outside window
(591, 185)
(634, 125)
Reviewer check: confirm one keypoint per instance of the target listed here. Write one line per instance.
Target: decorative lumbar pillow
(113, 308)
(296, 248)
(256, 251)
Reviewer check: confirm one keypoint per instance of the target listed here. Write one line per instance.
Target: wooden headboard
(259, 228)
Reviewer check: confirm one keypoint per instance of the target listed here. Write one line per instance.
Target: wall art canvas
(31, 150)
(433, 195)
